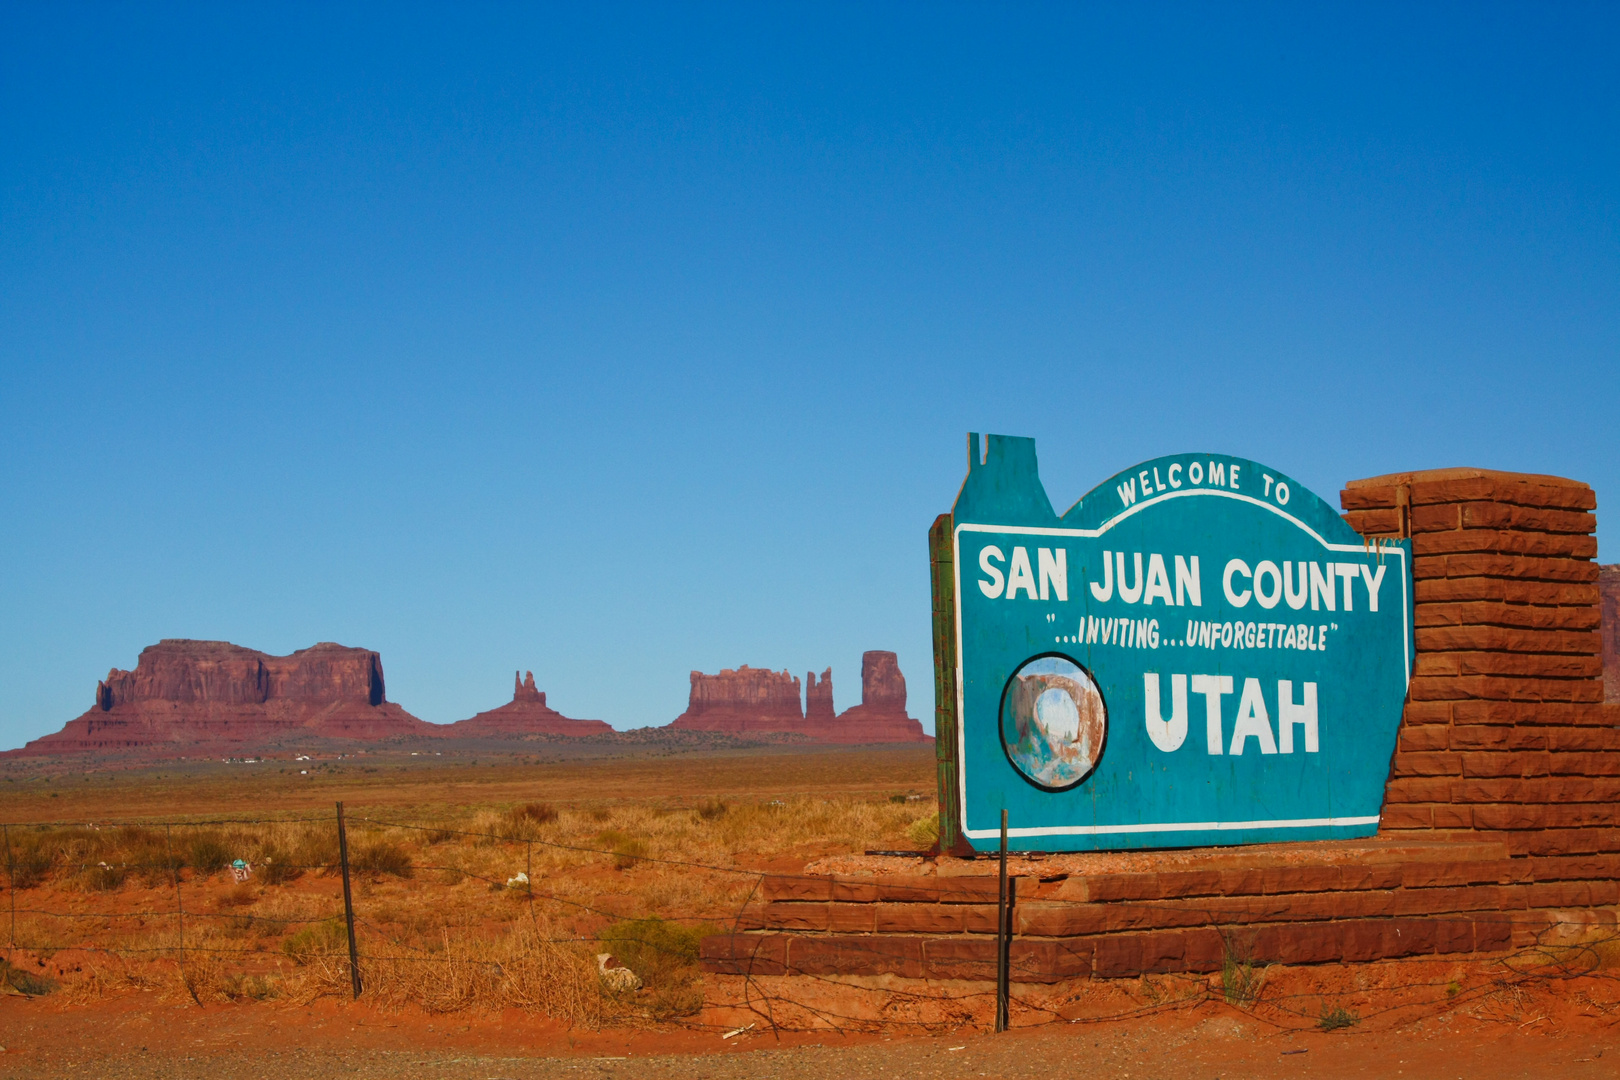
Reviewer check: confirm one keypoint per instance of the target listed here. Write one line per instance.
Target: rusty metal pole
(348, 904)
(1002, 935)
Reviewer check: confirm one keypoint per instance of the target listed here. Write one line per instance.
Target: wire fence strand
(540, 945)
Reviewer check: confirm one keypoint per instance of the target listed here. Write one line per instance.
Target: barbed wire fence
(344, 949)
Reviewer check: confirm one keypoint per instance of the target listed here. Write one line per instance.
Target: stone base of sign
(1504, 733)
(1126, 914)
(1500, 825)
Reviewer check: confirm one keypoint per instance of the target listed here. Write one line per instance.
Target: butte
(210, 695)
(526, 714)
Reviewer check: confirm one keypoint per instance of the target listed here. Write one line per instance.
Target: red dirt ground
(1501, 1021)
(136, 1038)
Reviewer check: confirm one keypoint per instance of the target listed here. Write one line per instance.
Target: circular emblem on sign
(1053, 722)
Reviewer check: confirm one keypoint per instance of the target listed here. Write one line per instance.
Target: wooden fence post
(942, 573)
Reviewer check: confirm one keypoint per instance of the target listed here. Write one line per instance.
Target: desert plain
(487, 879)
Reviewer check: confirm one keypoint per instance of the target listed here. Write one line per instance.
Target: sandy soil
(129, 1039)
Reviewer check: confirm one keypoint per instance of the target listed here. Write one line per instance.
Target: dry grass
(444, 920)
(665, 956)
(924, 832)
(382, 857)
(526, 967)
(535, 813)
(155, 855)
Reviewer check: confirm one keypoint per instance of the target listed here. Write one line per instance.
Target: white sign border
(1168, 827)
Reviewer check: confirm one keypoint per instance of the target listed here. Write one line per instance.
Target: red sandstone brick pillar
(1503, 731)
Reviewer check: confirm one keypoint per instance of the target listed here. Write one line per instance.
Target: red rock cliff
(745, 700)
(818, 698)
(196, 694)
(882, 685)
(221, 673)
(526, 714)
(881, 715)
(755, 700)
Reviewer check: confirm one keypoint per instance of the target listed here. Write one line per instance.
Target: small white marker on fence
(739, 1031)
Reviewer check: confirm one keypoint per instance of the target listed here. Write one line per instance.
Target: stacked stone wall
(1504, 732)
(1352, 903)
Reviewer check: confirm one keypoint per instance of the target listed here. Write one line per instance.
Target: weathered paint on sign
(1200, 651)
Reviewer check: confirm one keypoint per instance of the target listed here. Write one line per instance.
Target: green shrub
(1336, 1018)
(924, 831)
(664, 955)
(328, 938)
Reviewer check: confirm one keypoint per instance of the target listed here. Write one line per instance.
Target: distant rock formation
(201, 694)
(526, 714)
(818, 699)
(882, 685)
(1609, 598)
(881, 715)
(523, 689)
(202, 698)
(745, 700)
(756, 700)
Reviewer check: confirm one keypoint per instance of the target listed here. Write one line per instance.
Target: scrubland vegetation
(475, 908)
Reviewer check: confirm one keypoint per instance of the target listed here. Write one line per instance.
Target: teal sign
(1199, 651)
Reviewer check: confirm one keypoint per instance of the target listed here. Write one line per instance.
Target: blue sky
(615, 342)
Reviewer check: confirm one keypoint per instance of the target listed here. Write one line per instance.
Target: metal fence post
(11, 883)
(1003, 934)
(348, 903)
(179, 905)
(528, 879)
(179, 911)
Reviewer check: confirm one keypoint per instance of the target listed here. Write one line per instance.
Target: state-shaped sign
(1199, 651)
